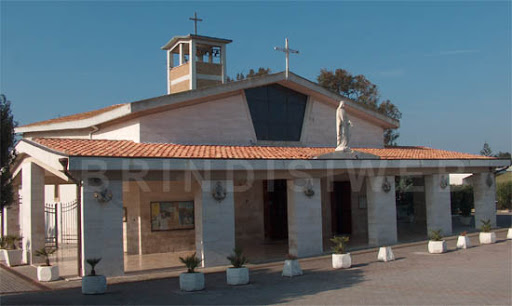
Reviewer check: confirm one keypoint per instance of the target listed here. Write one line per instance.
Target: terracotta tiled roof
(74, 117)
(126, 148)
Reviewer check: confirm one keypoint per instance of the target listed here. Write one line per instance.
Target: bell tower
(195, 61)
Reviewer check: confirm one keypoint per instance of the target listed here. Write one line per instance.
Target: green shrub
(504, 195)
(436, 235)
(340, 244)
(238, 260)
(191, 262)
(486, 226)
(10, 242)
(462, 199)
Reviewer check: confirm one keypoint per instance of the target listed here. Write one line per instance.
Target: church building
(214, 164)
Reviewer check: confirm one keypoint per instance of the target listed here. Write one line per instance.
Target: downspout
(65, 162)
(94, 130)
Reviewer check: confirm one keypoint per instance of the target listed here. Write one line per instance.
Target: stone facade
(223, 121)
(102, 227)
(320, 128)
(215, 223)
(437, 201)
(304, 218)
(381, 203)
(484, 188)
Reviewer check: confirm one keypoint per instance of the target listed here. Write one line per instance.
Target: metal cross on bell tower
(195, 19)
(287, 51)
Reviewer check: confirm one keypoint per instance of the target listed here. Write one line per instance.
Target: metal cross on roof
(287, 51)
(195, 19)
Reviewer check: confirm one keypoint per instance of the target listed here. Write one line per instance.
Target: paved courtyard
(479, 275)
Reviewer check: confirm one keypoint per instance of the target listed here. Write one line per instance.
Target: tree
(240, 76)
(7, 151)
(503, 155)
(486, 150)
(361, 90)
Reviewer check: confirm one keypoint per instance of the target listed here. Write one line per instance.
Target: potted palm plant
(191, 280)
(12, 254)
(340, 259)
(47, 272)
(463, 241)
(486, 236)
(291, 266)
(436, 244)
(92, 283)
(238, 274)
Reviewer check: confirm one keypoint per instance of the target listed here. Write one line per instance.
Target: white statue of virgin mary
(342, 129)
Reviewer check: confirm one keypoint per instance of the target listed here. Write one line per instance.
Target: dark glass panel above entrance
(277, 112)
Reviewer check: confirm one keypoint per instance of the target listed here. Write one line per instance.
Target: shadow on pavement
(266, 287)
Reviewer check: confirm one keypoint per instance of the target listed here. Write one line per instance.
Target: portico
(228, 197)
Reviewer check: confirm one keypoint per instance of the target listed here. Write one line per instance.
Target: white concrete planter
(47, 273)
(385, 254)
(509, 233)
(465, 220)
(487, 238)
(96, 284)
(291, 268)
(437, 247)
(13, 257)
(237, 276)
(192, 281)
(341, 261)
(463, 242)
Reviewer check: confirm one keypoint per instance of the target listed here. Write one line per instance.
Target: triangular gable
(162, 103)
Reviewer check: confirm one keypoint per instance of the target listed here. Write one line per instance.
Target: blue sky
(446, 65)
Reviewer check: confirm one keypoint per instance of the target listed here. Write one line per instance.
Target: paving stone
(478, 275)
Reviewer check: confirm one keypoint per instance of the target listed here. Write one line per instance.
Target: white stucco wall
(129, 130)
(73, 134)
(225, 121)
(67, 193)
(222, 121)
(320, 128)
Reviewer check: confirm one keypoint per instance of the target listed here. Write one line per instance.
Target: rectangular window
(166, 216)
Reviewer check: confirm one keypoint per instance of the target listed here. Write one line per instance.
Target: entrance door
(341, 211)
(275, 209)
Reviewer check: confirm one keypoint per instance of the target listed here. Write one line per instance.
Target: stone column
(484, 192)
(132, 203)
(438, 203)
(381, 203)
(32, 211)
(214, 222)
(304, 217)
(102, 226)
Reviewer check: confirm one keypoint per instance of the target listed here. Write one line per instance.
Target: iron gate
(60, 223)
(69, 216)
(50, 225)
